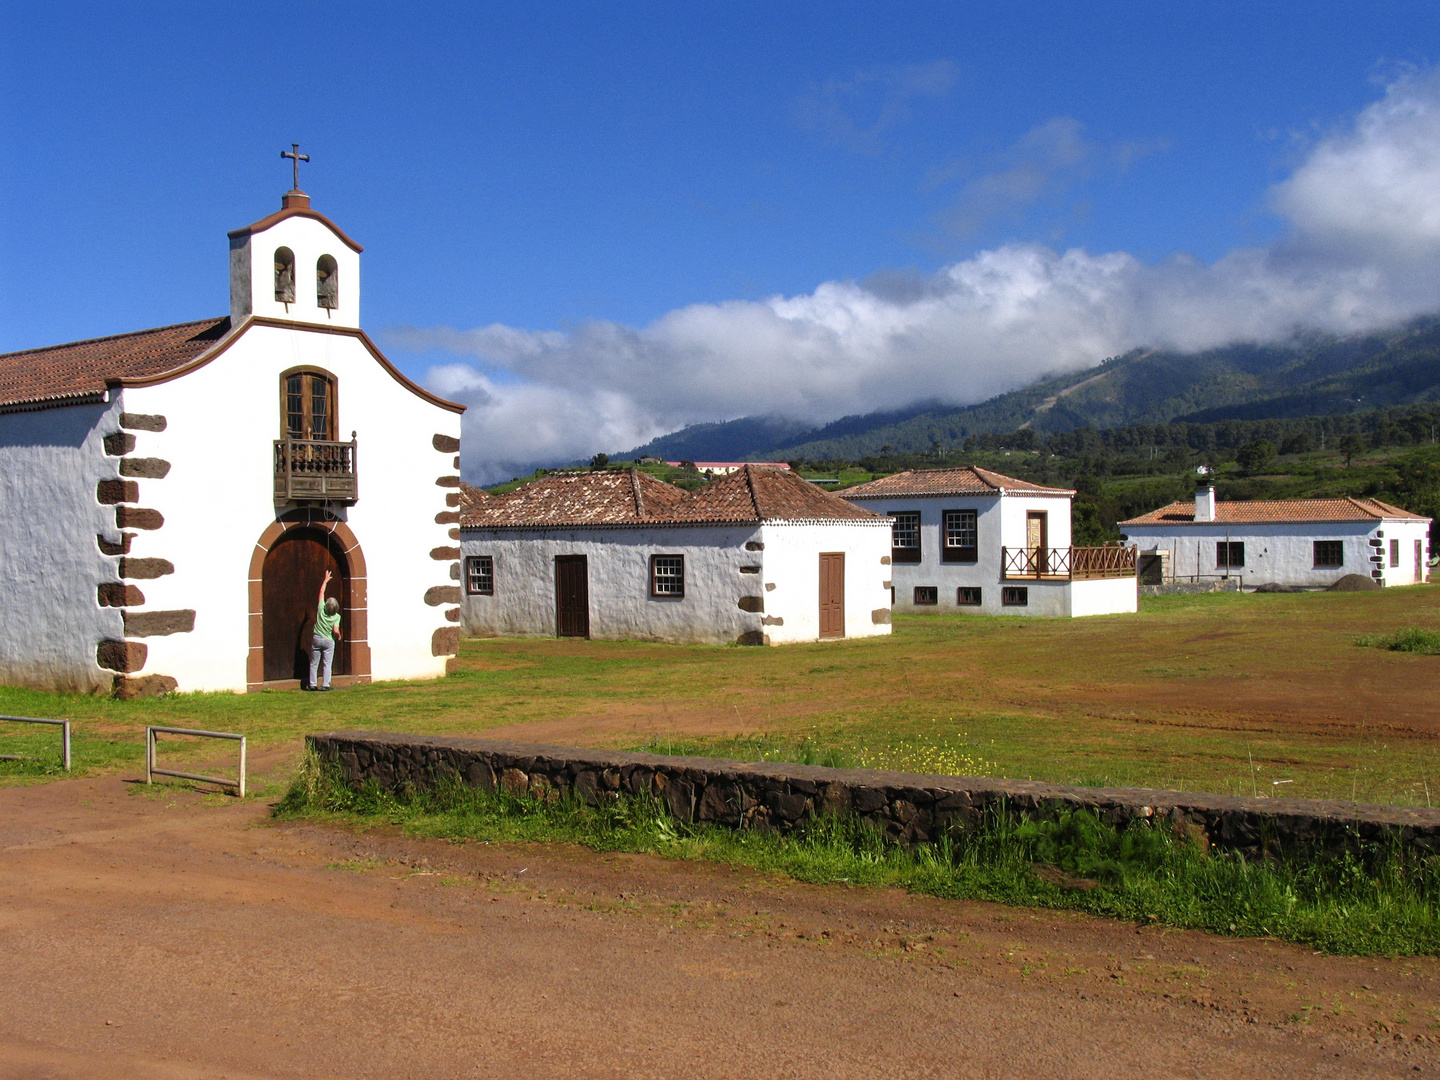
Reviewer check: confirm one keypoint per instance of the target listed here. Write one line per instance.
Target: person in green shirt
(327, 633)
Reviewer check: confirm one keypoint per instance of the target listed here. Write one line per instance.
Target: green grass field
(1263, 694)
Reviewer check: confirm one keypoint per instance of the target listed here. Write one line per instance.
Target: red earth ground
(166, 933)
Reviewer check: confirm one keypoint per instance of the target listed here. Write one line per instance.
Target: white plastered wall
(1284, 553)
(618, 565)
(792, 578)
(221, 423)
(1000, 522)
(51, 461)
(252, 273)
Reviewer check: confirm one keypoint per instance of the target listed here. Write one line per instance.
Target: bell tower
(296, 264)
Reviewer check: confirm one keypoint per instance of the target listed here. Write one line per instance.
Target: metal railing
(314, 469)
(152, 770)
(1067, 563)
(63, 725)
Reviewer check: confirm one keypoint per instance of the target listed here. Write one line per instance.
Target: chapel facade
(171, 499)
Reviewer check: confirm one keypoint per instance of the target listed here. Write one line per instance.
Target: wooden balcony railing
(1069, 563)
(311, 470)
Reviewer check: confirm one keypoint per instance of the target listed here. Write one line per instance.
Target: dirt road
(173, 935)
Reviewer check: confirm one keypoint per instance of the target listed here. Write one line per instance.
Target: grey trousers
(321, 648)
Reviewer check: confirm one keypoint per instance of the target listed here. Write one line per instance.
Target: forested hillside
(1318, 376)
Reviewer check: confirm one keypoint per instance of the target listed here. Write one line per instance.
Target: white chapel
(170, 499)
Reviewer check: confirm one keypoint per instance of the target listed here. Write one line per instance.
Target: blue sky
(577, 217)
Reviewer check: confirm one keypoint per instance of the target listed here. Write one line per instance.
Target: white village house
(170, 499)
(1298, 542)
(976, 540)
(760, 556)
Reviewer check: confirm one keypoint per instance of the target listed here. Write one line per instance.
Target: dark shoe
(324, 688)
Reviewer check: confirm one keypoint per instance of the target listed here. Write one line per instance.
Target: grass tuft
(1387, 903)
(1413, 639)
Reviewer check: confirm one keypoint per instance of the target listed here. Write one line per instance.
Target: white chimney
(1205, 503)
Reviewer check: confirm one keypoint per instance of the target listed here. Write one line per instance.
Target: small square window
(1229, 554)
(968, 596)
(1329, 553)
(480, 575)
(667, 575)
(1015, 596)
(927, 594)
(905, 536)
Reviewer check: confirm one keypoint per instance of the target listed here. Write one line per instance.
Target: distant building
(756, 557)
(1304, 542)
(725, 468)
(975, 540)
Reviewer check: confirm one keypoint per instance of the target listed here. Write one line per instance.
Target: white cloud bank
(1362, 251)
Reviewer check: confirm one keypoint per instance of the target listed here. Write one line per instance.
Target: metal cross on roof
(294, 154)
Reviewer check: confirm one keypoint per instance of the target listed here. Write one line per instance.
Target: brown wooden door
(572, 596)
(832, 594)
(290, 586)
(1037, 541)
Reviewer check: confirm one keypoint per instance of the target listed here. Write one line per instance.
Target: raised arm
(321, 601)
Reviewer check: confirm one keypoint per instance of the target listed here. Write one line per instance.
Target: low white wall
(1285, 554)
(792, 578)
(618, 563)
(1104, 596)
(50, 565)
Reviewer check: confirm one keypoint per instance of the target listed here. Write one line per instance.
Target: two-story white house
(171, 499)
(1299, 542)
(978, 541)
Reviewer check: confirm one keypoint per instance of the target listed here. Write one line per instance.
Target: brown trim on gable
(294, 211)
(287, 324)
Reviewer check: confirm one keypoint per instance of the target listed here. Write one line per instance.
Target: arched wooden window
(308, 402)
(327, 283)
(284, 275)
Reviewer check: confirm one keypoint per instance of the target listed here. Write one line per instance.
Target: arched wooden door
(290, 586)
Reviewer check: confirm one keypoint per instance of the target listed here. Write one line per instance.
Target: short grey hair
(331, 605)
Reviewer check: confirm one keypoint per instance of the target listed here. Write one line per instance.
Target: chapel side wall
(618, 565)
(218, 498)
(1282, 553)
(51, 621)
(792, 578)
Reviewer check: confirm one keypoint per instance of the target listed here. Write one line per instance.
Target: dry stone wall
(909, 808)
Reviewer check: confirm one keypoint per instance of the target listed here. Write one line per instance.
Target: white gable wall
(51, 461)
(252, 273)
(792, 578)
(1284, 553)
(221, 423)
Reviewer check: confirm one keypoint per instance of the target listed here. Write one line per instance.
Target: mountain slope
(1316, 376)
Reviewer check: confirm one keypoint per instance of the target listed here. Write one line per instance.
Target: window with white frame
(961, 541)
(480, 575)
(905, 536)
(667, 575)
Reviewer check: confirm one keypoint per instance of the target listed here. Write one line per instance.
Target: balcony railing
(315, 471)
(1067, 563)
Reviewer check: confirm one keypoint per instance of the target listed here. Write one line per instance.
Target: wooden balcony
(1067, 564)
(308, 470)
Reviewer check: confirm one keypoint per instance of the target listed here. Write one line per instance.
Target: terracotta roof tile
(750, 495)
(592, 498)
(83, 368)
(1277, 511)
(964, 480)
(471, 498)
(754, 493)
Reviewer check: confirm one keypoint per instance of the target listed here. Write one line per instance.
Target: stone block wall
(910, 809)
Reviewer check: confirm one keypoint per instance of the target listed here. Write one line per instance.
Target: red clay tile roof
(1277, 511)
(471, 497)
(82, 368)
(759, 494)
(964, 480)
(751, 495)
(593, 498)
